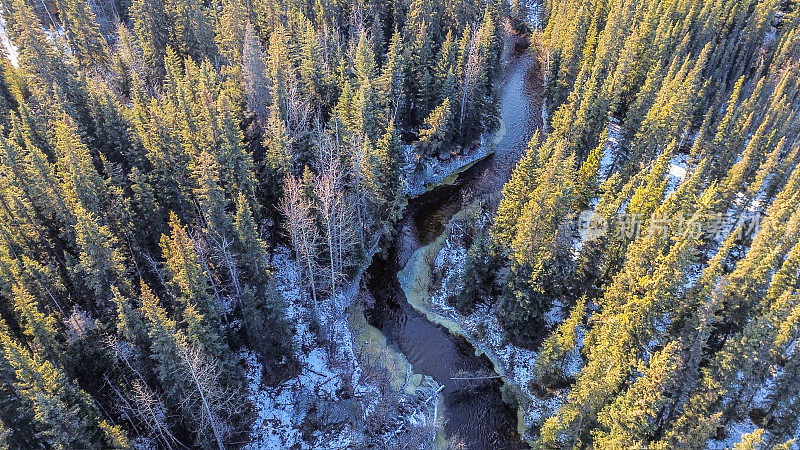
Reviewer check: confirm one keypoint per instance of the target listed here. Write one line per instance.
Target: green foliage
(670, 359)
(165, 152)
(65, 416)
(438, 129)
(478, 275)
(149, 142)
(537, 252)
(634, 417)
(83, 33)
(561, 344)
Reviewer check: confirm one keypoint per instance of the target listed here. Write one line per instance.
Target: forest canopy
(191, 192)
(155, 153)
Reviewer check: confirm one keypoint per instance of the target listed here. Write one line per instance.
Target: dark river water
(475, 413)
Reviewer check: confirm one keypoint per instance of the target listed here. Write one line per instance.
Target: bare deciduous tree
(326, 187)
(472, 72)
(210, 402)
(296, 208)
(140, 403)
(298, 111)
(150, 410)
(336, 209)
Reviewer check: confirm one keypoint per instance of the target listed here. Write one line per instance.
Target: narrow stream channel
(475, 413)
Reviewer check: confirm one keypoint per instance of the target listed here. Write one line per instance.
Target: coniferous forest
(418, 224)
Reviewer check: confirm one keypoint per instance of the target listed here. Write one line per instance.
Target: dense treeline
(684, 313)
(152, 154)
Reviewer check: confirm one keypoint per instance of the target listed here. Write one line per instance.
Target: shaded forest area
(154, 154)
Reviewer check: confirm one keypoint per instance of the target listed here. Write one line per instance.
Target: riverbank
(474, 413)
(349, 380)
(358, 377)
(438, 344)
(431, 271)
(434, 273)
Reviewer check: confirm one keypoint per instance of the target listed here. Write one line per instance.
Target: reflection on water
(474, 411)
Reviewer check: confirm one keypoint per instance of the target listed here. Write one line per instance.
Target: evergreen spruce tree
(152, 27)
(39, 327)
(188, 281)
(189, 379)
(83, 34)
(586, 183)
(634, 417)
(437, 131)
(559, 346)
(65, 415)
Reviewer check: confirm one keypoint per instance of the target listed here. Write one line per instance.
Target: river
(474, 411)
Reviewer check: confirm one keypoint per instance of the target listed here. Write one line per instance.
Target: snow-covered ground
(319, 407)
(735, 433)
(328, 404)
(677, 172)
(432, 171)
(482, 327)
(610, 150)
(282, 410)
(8, 47)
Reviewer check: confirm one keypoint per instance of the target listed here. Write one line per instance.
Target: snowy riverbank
(435, 272)
(335, 401)
(331, 402)
(433, 172)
